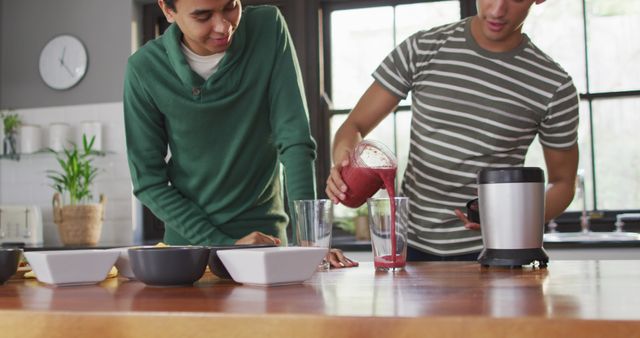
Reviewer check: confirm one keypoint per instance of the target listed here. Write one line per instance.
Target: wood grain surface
(439, 299)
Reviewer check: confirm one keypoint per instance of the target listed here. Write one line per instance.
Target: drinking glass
(314, 221)
(386, 254)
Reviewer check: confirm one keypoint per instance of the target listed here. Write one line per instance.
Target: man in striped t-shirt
(482, 91)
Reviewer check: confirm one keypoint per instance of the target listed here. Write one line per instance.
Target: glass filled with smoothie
(389, 228)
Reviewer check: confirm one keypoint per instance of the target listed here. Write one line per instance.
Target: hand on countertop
(337, 259)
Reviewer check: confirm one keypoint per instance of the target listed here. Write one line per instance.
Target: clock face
(63, 62)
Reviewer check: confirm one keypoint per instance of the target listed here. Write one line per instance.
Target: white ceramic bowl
(71, 267)
(272, 266)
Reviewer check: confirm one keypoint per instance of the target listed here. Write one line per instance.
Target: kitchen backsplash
(25, 181)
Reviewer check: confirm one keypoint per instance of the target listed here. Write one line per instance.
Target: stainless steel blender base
(513, 257)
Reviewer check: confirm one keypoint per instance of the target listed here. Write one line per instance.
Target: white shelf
(17, 157)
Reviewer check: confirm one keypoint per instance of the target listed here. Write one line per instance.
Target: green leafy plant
(362, 211)
(11, 123)
(348, 223)
(77, 172)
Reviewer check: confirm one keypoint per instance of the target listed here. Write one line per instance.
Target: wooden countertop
(439, 299)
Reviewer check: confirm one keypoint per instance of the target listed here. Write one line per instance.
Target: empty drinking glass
(313, 224)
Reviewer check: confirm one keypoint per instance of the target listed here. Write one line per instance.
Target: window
(360, 38)
(595, 47)
(591, 39)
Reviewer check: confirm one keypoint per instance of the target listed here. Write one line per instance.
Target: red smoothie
(371, 167)
(362, 183)
(389, 262)
(388, 177)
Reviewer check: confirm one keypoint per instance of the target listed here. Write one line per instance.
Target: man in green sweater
(224, 97)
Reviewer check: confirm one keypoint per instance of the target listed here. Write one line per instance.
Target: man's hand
(335, 185)
(258, 237)
(467, 223)
(337, 259)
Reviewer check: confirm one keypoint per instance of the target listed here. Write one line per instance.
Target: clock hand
(67, 68)
(64, 49)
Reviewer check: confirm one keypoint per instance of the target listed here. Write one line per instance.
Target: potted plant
(80, 221)
(11, 124)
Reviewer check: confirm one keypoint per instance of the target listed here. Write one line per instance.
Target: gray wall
(26, 26)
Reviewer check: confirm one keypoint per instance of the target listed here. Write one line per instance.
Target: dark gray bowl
(169, 266)
(215, 264)
(9, 259)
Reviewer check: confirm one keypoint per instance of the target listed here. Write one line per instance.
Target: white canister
(59, 136)
(92, 129)
(30, 139)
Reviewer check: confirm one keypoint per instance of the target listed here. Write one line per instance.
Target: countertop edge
(27, 324)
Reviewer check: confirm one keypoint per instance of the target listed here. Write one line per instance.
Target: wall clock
(63, 62)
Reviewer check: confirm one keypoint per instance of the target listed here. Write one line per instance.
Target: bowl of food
(168, 266)
(71, 267)
(272, 266)
(9, 259)
(215, 264)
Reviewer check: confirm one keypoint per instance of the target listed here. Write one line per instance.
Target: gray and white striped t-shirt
(471, 109)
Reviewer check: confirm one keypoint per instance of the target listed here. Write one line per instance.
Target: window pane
(617, 153)
(416, 17)
(535, 158)
(360, 39)
(556, 27)
(613, 47)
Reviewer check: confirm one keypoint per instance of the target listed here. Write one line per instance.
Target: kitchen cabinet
(435, 299)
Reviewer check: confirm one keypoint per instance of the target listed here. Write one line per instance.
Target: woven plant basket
(78, 224)
(362, 228)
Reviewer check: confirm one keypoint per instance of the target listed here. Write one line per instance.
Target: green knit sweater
(227, 135)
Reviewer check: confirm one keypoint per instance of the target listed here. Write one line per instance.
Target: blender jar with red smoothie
(372, 166)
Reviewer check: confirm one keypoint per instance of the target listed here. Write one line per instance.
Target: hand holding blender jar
(372, 166)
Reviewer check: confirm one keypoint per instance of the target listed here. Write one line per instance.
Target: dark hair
(171, 4)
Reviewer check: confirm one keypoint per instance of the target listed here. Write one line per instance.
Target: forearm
(557, 198)
(299, 172)
(374, 105)
(345, 140)
(561, 169)
(182, 216)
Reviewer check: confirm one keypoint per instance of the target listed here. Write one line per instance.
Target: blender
(511, 208)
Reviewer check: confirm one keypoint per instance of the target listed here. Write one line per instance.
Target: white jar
(59, 136)
(30, 139)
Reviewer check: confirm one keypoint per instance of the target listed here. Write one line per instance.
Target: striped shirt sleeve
(396, 71)
(559, 129)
